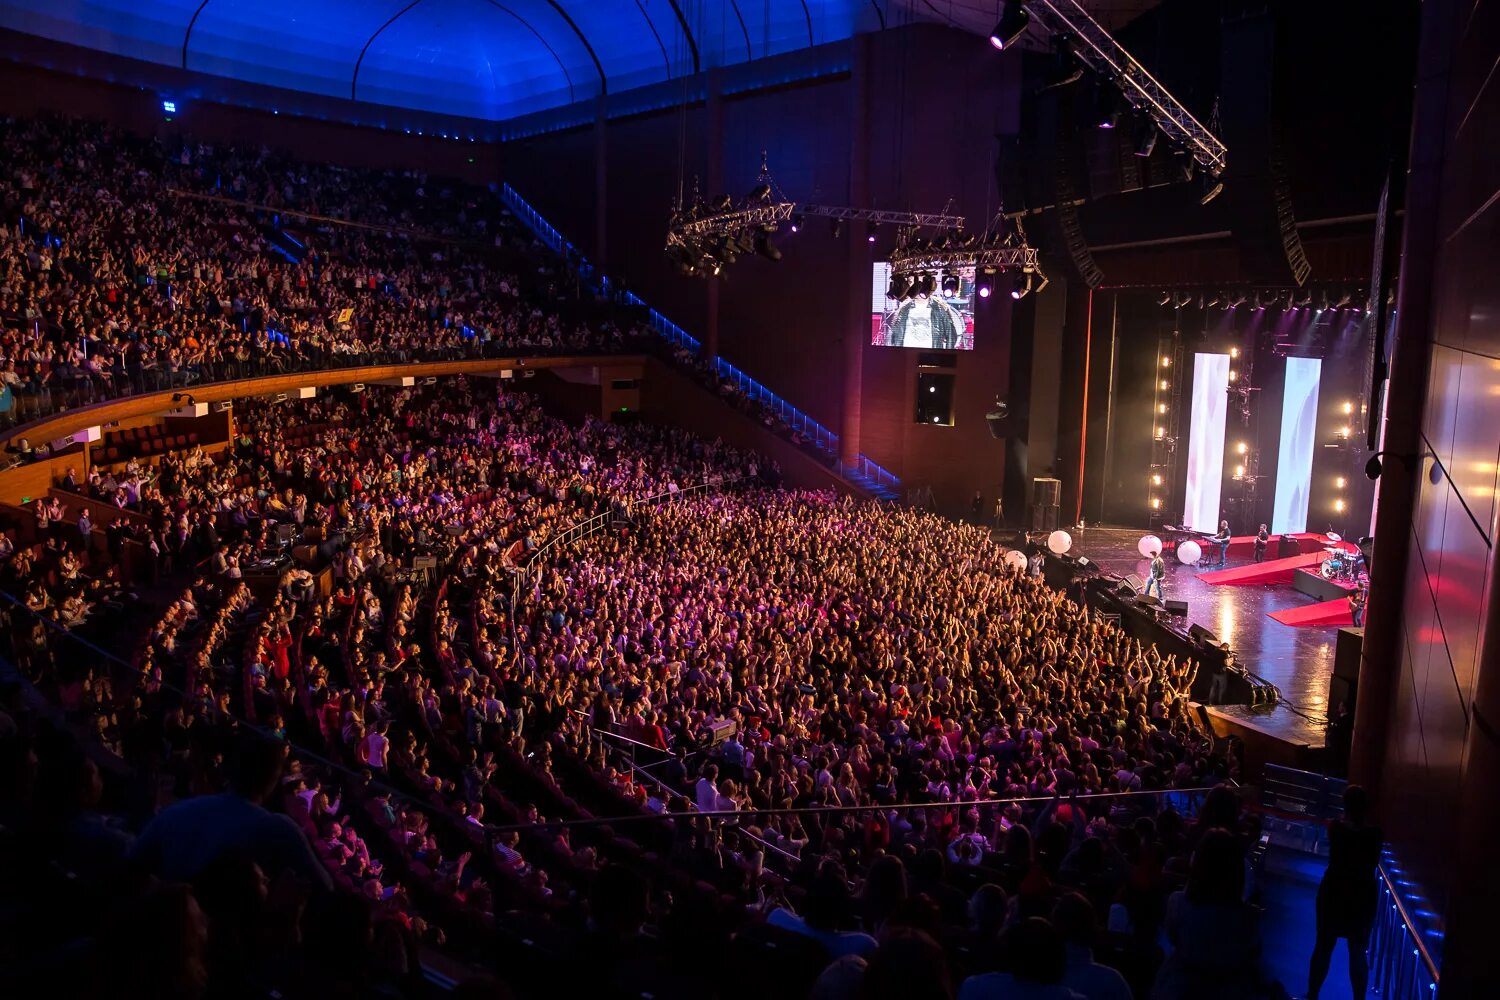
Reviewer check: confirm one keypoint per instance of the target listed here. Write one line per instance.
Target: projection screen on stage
(1205, 470)
(1294, 459)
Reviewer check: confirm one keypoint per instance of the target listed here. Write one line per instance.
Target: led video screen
(941, 319)
(1205, 471)
(1294, 457)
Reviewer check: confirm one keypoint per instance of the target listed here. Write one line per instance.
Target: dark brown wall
(783, 323)
(1440, 793)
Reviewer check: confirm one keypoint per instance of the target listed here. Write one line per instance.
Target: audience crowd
(324, 705)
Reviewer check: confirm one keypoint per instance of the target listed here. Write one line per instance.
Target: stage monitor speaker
(1178, 608)
(1287, 547)
(1134, 583)
(1043, 517)
(1346, 653)
(1046, 490)
(1084, 562)
(1198, 633)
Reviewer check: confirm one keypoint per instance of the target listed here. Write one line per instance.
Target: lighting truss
(734, 220)
(880, 215)
(1097, 48)
(998, 258)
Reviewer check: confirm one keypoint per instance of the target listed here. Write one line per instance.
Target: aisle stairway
(864, 475)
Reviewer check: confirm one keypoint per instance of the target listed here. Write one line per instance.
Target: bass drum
(1329, 569)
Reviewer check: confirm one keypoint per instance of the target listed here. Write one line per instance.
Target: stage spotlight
(1166, 361)
(1146, 144)
(1348, 408)
(871, 237)
(950, 284)
(796, 223)
(1242, 448)
(1011, 26)
(1156, 503)
(1161, 407)
(984, 291)
(1165, 385)
(1023, 291)
(1340, 482)
(1156, 480)
(1042, 285)
(761, 192)
(1234, 352)
(1344, 301)
(836, 227)
(1212, 186)
(1338, 505)
(764, 246)
(1165, 298)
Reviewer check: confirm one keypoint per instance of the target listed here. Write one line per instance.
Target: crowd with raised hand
(113, 280)
(935, 777)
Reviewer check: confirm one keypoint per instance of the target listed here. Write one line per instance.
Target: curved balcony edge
(66, 422)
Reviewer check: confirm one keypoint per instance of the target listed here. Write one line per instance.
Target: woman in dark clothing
(1347, 895)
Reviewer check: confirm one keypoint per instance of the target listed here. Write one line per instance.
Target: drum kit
(1340, 564)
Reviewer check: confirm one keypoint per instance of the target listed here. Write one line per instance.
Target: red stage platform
(1324, 613)
(1270, 572)
(1274, 571)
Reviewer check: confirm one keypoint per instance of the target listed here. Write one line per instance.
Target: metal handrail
(899, 807)
(1396, 940)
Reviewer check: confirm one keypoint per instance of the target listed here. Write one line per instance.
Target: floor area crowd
(325, 710)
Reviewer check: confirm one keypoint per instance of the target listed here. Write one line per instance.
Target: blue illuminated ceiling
(488, 59)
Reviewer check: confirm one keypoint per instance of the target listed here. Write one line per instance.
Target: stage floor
(1297, 660)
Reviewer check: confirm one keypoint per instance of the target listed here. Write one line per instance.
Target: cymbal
(1334, 536)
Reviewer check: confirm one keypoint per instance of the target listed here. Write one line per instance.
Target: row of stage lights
(1241, 448)
(1289, 299)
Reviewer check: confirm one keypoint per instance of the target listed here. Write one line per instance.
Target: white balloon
(1148, 546)
(1059, 542)
(1189, 552)
(1016, 560)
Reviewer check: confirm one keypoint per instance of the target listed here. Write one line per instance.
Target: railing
(1402, 964)
(820, 436)
(70, 388)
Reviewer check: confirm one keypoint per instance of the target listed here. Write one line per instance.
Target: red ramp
(1326, 613)
(1272, 571)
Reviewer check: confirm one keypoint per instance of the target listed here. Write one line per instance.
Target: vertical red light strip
(1083, 428)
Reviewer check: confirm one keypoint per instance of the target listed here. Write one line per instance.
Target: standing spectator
(1347, 895)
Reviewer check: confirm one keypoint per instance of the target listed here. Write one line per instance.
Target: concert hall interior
(719, 498)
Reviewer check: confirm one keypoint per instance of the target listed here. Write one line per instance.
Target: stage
(1298, 661)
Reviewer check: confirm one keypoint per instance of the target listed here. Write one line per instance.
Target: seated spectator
(188, 836)
(825, 912)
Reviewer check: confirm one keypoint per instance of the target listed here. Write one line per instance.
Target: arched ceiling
(487, 59)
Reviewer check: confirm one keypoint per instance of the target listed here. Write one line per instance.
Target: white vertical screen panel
(1294, 458)
(1205, 473)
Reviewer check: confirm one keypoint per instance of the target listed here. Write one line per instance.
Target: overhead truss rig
(1098, 48)
(991, 258)
(919, 219)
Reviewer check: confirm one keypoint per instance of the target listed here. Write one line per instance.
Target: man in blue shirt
(190, 835)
